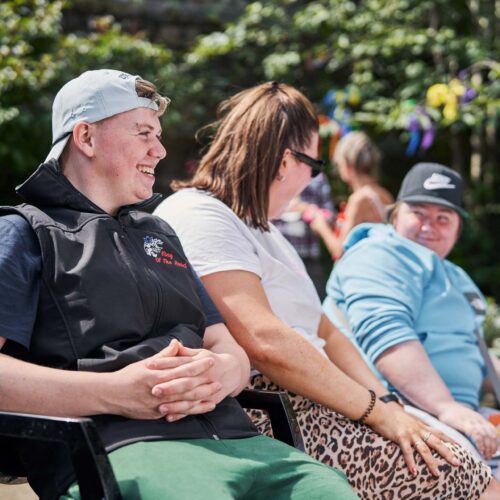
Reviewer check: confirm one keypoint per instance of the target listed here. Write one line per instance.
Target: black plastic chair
(281, 414)
(92, 468)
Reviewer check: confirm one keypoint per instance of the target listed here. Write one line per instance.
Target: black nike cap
(433, 183)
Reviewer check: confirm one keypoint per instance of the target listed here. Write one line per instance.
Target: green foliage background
(389, 51)
(36, 59)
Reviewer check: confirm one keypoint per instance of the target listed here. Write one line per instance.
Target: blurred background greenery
(420, 76)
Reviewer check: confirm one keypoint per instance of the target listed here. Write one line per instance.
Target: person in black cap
(435, 184)
(263, 153)
(413, 313)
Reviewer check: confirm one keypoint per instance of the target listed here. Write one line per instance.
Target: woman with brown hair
(263, 154)
(357, 159)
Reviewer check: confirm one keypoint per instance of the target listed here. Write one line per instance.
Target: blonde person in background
(263, 154)
(357, 159)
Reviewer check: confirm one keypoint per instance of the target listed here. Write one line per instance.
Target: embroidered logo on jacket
(152, 246)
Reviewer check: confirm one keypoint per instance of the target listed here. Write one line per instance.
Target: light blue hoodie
(394, 290)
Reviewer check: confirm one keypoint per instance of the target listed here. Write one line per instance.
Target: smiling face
(127, 147)
(433, 226)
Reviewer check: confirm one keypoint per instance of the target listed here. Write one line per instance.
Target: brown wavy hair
(253, 130)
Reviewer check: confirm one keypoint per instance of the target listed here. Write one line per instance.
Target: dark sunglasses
(317, 166)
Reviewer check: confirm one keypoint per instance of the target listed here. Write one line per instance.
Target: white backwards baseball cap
(91, 97)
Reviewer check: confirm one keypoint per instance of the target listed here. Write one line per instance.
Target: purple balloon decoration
(470, 94)
(413, 123)
(428, 138)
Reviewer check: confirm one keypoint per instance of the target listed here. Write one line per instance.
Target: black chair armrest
(91, 464)
(277, 405)
(93, 470)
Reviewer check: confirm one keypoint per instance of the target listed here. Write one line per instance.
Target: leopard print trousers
(374, 466)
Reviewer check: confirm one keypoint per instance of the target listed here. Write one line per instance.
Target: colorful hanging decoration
(414, 130)
(338, 120)
(448, 97)
(420, 127)
(339, 104)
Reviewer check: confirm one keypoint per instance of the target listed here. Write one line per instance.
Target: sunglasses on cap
(317, 166)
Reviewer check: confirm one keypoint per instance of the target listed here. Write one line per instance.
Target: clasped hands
(176, 382)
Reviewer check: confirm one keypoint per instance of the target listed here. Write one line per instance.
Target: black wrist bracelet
(371, 405)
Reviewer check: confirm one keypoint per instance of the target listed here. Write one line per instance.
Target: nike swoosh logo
(430, 185)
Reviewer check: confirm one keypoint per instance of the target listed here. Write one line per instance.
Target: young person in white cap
(413, 313)
(101, 314)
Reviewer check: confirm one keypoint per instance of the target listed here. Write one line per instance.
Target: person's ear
(83, 138)
(283, 170)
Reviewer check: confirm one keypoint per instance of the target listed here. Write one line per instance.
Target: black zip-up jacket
(114, 290)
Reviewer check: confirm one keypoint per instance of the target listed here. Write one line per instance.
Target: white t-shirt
(215, 239)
